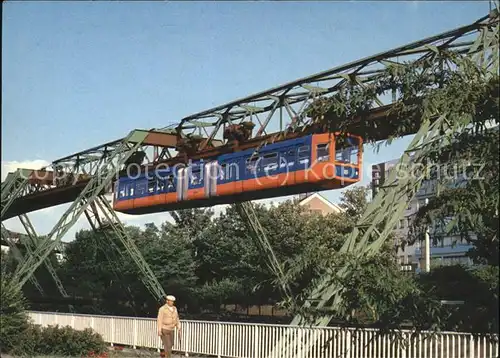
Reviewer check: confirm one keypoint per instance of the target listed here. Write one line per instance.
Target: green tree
(467, 204)
(13, 318)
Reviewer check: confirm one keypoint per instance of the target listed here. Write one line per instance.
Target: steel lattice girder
(98, 226)
(31, 246)
(287, 102)
(13, 187)
(257, 233)
(19, 257)
(107, 170)
(146, 274)
(74, 171)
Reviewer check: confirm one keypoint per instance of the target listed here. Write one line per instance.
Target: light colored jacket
(168, 319)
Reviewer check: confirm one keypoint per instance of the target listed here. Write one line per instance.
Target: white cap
(170, 298)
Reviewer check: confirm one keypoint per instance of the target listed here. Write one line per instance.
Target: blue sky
(77, 74)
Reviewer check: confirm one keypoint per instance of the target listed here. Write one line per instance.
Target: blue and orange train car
(310, 163)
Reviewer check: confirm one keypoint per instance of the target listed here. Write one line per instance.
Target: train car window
(222, 171)
(232, 171)
(322, 151)
(303, 152)
(141, 188)
(161, 185)
(170, 183)
(252, 164)
(270, 161)
(151, 186)
(121, 193)
(130, 190)
(196, 177)
(287, 158)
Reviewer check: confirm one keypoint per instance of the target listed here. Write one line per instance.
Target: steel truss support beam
(257, 233)
(12, 188)
(31, 246)
(19, 257)
(109, 168)
(98, 227)
(111, 219)
(270, 109)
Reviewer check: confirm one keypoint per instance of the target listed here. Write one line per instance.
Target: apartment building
(450, 250)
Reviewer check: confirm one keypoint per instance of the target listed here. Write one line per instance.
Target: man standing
(168, 320)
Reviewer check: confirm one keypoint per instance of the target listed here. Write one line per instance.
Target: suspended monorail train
(313, 162)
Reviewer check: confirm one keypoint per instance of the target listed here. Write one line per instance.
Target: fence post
(186, 336)
(112, 331)
(256, 342)
(135, 333)
(219, 340)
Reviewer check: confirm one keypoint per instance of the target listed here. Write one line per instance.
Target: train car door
(210, 176)
(182, 184)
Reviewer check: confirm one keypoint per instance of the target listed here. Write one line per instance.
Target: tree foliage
(13, 319)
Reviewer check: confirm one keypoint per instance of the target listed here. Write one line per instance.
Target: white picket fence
(244, 340)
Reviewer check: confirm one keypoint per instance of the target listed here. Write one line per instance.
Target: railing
(241, 340)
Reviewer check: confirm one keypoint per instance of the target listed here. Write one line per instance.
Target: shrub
(67, 341)
(13, 319)
(60, 341)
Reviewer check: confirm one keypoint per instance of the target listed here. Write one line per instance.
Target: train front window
(346, 150)
(322, 151)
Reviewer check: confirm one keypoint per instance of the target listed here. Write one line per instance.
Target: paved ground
(126, 353)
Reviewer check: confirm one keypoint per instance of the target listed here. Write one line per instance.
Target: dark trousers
(167, 337)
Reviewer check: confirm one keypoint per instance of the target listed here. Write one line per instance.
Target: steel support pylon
(102, 206)
(31, 245)
(109, 167)
(257, 233)
(19, 257)
(97, 223)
